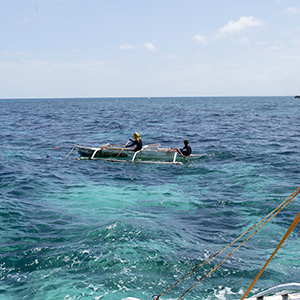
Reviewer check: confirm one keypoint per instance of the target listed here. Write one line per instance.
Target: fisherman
(185, 151)
(137, 141)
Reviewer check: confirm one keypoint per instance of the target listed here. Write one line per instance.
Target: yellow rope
(270, 216)
(293, 225)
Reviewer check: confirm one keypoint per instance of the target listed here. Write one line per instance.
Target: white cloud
(240, 26)
(243, 40)
(292, 33)
(201, 39)
(231, 29)
(292, 11)
(15, 53)
(172, 56)
(150, 46)
(128, 47)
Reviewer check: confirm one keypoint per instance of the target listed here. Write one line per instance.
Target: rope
(70, 152)
(271, 215)
(293, 225)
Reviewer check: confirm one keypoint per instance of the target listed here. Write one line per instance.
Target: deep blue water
(82, 229)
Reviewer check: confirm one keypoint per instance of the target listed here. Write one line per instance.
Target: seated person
(137, 141)
(185, 151)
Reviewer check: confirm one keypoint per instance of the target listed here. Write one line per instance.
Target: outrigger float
(148, 154)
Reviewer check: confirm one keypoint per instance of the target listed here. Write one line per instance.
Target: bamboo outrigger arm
(133, 158)
(175, 155)
(99, 148)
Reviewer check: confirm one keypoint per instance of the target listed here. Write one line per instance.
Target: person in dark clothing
(137, 141)
(185, 151)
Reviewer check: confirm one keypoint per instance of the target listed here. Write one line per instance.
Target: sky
(149, 48)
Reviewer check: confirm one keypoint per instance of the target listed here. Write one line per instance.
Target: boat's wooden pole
(70, 151)
(180, 153)
(123, 148)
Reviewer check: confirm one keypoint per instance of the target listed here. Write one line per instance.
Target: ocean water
(83, 229)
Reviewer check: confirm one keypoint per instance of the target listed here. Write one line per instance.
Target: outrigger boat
(149, 153)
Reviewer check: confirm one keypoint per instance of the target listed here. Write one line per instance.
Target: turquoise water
(81, 229)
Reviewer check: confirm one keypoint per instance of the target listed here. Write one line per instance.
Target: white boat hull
(282, 292)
